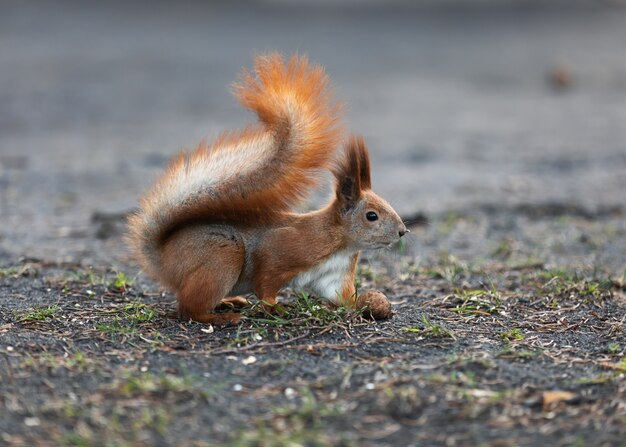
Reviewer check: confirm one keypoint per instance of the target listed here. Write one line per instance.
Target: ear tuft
(348, 174)
(357, 143)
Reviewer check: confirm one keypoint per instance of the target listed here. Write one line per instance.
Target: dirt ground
(510, 348)
(497, 132)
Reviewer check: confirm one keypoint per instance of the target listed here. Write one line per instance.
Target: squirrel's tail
(293, 102)
(252, 176)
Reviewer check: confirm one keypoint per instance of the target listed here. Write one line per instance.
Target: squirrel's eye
(371, 216)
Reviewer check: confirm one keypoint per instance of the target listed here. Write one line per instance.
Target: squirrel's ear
(348, 176)
(364, 161)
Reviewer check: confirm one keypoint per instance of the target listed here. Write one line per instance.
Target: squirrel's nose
(404, 231)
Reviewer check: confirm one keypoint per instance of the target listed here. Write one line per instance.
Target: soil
(506, 350)
(498, 134)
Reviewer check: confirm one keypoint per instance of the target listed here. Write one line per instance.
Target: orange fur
(348, 292)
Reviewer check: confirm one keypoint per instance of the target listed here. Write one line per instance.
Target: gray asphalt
(457, 103)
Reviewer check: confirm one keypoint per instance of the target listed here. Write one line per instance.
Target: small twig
(258, 345)
(326, 346)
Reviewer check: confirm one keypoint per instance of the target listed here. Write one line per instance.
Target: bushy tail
(293, 101)
(253, 176)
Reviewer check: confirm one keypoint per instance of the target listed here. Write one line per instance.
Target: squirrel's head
(368, 220)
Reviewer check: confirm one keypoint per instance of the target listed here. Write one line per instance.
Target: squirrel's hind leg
(203, 290)
(204, 267)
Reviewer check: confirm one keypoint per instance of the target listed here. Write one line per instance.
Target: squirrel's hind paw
(235, 302)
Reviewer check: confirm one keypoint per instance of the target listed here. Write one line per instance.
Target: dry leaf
(550, 398)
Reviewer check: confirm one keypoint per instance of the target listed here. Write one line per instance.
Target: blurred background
(465, 104)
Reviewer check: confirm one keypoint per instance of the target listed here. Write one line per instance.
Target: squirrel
(220, 222)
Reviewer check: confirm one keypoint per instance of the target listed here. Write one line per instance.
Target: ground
(505, 350)
(496, 130)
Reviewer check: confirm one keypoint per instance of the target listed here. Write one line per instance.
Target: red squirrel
(220, 222)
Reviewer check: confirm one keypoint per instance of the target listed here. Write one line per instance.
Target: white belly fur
(325, 280)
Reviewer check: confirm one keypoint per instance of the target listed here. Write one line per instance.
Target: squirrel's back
(252, 176)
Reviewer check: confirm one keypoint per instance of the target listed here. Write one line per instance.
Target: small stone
(32, 422)
(290, 393)
(249, 360)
